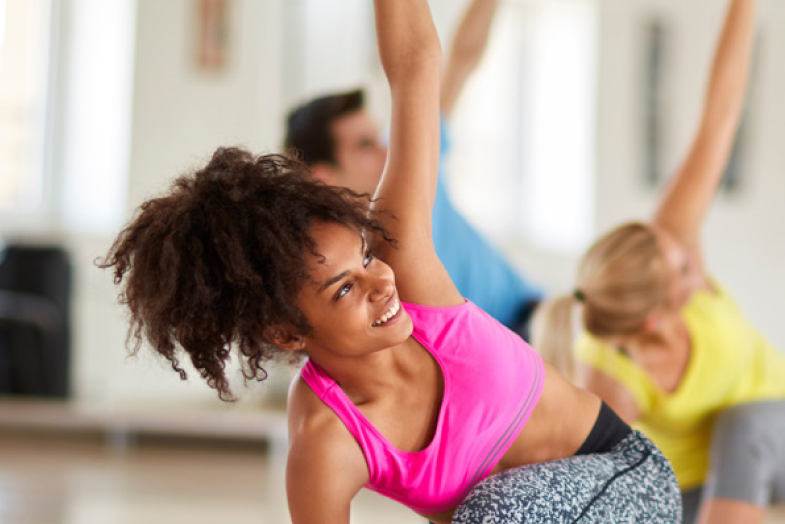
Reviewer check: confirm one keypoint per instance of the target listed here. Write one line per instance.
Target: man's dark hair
(308, 132)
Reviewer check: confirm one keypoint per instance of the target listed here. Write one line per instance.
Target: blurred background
(576, 117)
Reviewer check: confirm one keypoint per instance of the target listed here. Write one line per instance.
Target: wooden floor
(70, 478)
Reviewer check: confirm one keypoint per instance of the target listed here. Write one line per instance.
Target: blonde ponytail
(552, 333)
(621, 280)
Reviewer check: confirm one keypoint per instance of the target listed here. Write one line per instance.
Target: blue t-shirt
(478, 269)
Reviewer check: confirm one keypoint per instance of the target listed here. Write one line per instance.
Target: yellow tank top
(730, 364)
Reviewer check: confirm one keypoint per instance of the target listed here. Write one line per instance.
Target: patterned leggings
(633, 482)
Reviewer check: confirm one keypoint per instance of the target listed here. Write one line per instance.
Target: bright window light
(24, 65)
(523, 162)
(560, 162)
(98, 114)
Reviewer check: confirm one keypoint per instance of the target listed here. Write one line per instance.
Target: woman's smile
(391, 314)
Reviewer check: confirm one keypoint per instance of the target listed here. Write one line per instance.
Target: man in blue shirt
(339, 139)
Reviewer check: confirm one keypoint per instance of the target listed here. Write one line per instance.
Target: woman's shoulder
(593, 350)
(311, 420)
(597, 355)
(709, 303)
(319, 445)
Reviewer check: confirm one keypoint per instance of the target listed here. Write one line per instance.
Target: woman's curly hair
(222, 256)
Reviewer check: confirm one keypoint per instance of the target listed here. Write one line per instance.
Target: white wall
(181, 114)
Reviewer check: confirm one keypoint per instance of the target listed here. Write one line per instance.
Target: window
(93, 168)
(24, 64)
(525, 127)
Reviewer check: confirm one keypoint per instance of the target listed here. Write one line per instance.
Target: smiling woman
(409, 389)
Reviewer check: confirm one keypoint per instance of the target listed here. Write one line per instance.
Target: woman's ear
(284, 338)
(652, 322)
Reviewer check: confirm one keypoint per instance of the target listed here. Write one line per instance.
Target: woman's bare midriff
(557, 427)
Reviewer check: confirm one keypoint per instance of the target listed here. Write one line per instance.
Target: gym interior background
(575, 118)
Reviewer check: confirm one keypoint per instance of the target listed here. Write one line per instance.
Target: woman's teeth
(391, 313)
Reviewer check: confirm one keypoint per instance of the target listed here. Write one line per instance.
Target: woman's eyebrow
(333, 280)
(343, 275)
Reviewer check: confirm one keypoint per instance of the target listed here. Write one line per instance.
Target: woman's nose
(382, 287)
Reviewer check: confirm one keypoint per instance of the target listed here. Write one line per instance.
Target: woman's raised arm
(411, 57)
(686, 200)
(468, 45)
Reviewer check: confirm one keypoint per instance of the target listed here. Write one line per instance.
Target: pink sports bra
(492, 381)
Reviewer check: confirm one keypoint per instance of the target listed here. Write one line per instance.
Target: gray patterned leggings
(633, 482)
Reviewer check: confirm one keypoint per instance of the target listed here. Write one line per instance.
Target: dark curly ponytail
(221, 257)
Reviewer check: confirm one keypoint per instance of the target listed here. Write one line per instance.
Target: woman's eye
(368, 259)
(345, 289)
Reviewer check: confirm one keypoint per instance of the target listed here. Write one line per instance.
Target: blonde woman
(665, 345)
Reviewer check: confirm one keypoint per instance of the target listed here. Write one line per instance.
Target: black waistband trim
(609, 429)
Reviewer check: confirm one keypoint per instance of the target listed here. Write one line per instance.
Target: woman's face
(679, 269)
(351, 302)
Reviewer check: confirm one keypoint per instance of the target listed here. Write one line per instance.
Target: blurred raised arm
(686, 200)
(468, 46)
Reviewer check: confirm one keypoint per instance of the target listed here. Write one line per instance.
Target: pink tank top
(492, 381)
